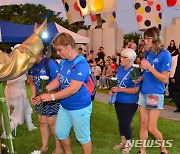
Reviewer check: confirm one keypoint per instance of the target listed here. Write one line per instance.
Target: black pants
(176, 94)
(125, 113)
(171, 88)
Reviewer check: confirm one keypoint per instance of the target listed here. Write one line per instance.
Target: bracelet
(52, 97)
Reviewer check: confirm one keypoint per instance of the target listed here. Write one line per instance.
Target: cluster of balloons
(76, 9)
(148, 12)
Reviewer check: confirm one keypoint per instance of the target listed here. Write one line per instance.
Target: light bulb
(45, 34)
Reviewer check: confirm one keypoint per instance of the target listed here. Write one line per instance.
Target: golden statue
(13, 65)
(23, 57)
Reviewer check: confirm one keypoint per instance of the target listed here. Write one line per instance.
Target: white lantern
(148, 13)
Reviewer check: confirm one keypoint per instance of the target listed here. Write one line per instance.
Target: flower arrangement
(42, 90)
(114, 82)
(43, 84)
(135, 73)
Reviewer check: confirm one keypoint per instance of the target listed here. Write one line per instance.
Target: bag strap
(125, 76)
(46, 66)
(62, 61)
(78, 59)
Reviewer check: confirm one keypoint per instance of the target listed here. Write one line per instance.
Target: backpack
(92, 83)
(46, 66)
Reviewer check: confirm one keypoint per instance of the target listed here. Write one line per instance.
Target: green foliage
(135, 73)
(28, 14)
(166, 102)
(104, 133)
(134, 36)
(113, 83)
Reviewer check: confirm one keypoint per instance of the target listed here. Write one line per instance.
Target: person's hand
(35, 100)
(41, 28)
(115, 89)
(138, 80)
(145, 64)
(111, 92)
(46, 97)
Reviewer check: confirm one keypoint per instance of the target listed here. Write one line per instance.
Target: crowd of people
(104, 67)
(67, 103)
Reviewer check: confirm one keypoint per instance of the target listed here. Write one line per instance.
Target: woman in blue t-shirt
(126, 98)
(47, 112)
(156, 65)
(75, 109)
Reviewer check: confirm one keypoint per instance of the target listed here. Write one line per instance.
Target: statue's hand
(41, 28)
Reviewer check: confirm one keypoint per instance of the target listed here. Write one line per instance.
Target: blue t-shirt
(161, 62)
(39, 69)
(80, 72)
(122, 97)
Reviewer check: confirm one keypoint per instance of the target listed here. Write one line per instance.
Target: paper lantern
(72, 11)
(93, 21)
(173, 3)
(148, 13)
(106, 18)
(96, 6)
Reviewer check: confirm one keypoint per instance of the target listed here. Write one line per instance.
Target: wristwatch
(52, 97)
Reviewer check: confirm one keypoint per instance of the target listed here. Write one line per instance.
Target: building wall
(110, 38)
(172, 32)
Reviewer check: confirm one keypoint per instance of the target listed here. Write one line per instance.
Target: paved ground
(167, 112)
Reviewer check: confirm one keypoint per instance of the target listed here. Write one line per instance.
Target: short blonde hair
(64, 39)
(130, 53)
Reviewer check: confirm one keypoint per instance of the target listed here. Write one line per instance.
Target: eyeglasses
(124, 57)
(59, 50)
(148, 38)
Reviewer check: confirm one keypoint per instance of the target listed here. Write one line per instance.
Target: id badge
(152, 101)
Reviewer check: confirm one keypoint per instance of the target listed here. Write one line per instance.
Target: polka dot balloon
(106, 18)
(73, 11)
(148, 13)
(96, 6)
(173, 3)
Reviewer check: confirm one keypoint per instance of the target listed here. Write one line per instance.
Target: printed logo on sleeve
(156, 60)
(80, 74)
(68, 71)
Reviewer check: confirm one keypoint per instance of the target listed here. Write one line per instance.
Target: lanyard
(125, 76)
